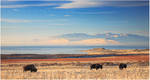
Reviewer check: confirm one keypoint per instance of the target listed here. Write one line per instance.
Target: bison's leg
(101, 67)
(31, 70)
(91, 68)
(120, 68)
(35, 70)
(25, 70)
(96, 68)
(125, 67)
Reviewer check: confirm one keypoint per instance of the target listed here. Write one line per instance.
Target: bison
(30, 67)
(96, 66)
(122, 65)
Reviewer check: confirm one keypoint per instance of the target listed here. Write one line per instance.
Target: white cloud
(27, 5)
(80, 4)
(115, 36)
(15, 21)
(73, 0)
(141, 33)
(58, 24)
(101, 3)
(29, 21)
(36, 0)
(60, 41)
(104, 12)
(96, 41)
(67, 15)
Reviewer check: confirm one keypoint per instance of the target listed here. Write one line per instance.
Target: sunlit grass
(75, 72)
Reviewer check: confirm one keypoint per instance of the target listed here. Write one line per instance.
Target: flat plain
(76, 68)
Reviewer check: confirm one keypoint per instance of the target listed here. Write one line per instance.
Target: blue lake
(57, 49)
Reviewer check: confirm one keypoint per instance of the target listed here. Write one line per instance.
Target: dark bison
(96, 66)
(122, 65)
(30, 67)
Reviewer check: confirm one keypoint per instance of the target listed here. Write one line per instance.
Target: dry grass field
(75, 70)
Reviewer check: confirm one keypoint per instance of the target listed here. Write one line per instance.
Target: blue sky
(41, 22)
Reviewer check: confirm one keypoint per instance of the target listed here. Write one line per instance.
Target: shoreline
(95, 54)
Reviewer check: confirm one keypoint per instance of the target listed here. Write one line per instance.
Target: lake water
(57, 49)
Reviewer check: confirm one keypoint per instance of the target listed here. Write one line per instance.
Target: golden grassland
(75, 70)
(79, 68)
